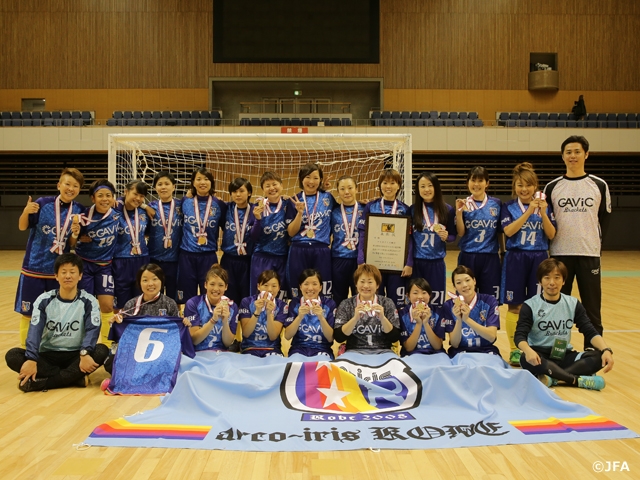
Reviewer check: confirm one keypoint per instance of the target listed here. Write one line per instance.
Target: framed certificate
(387, 242)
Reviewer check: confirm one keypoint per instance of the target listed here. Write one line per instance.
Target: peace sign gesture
(300, 205)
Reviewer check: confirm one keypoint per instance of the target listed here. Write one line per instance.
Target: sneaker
(82, 381)
(514, 358)
(594, 382)
(37, 385)
(105, 384)
(547, 380)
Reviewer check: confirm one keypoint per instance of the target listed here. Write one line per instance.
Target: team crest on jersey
(483, 315)
(180, 294)
(509, 295)
(325, 201)
(343, 386)
(493, 211)
(294, 292)
(162, 312)
(26, 306)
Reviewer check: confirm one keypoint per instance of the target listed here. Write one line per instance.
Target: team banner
(228, 401)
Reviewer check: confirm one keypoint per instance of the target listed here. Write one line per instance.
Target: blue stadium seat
(611, 123)
(166, 114)
(275, 122)
(534, 116)
(117, 114)
(425, 115)
(386, 114)
(623, 124)
(591, 124)
(111, 122)
(581, 124)
(346, 122)
(150, 122)
(550, 123)
(611, 117)
(37, 122)
(444, 115)
(453, 115)
(523, 116)
(468, 123)
(463, 115)
(414, 115)
(503, 116)
(146, 114)
(572, 116)
(405, 115)
(306, 122)
(511, 123)
(137, 114)
(375, 114)
(156, 114)
(285, 122)
(335, 122)
(245, 122)
(514, 116)
(540, 123)
(428, 122)
(438, 122)
(545, 116)
(448, 123)
(48, 122)
(75, 115)
(127, 115)
(195, 114)
(295, 122)
(76, 122)
(265, 122)
(458, 123)
(433, 114)
(418, 122)
(192, 122)
(591, 117)
(86, 118)
(46, 115)
(25, 115)
(478, 123)
(185, 114)
(602, 117)
(562, 116)
(473, 115)
(521, 123)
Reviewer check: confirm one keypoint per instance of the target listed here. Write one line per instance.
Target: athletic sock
(24, 330)
(105, 327)
(511, 322)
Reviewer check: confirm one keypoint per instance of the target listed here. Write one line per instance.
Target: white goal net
(227, 156)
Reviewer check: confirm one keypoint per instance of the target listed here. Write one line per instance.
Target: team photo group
(296, 267)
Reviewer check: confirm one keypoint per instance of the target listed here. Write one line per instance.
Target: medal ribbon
(202, 224)
(167, 225)
(427, 220)
(394, 208)
(267, 209)
(472, 205)
(310, 226)
(87, 219)
(368, 304)
(267, 297)
(139, 303)
(134, 232)
(540, 196)
(240, 231)
(413, 305)
(349, 229)
(59, 241)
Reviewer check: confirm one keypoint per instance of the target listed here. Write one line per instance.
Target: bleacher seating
(423, 119)
(566, 120)
(45, 118)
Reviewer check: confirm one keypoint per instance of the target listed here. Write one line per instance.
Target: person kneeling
(62, 340)
(543, 333)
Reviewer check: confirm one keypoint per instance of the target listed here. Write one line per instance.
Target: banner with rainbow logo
(228, 401)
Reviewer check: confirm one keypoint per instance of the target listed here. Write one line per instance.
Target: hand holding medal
(259, 208)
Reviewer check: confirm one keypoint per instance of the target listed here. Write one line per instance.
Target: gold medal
(310, 234)
(169, 243)
(437, 227)
(202, 240)
(350, 246)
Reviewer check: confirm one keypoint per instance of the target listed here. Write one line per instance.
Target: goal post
(227, 156)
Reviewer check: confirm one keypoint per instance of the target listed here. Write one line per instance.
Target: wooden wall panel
(425, 44)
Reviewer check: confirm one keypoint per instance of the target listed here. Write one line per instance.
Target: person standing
(581, 204)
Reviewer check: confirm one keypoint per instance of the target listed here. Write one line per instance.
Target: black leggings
(568, 369)
(61, 368)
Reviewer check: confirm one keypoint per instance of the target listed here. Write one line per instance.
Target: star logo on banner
(323, 364)
(334, 395)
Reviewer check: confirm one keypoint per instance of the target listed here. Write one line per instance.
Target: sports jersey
(259, 338)
(197, 312)
(162, 306)
(427, 245)
(338, 249)
(318, 217)
(103, 231)
(542, 321)
(407, 326)
(367, 333)
(309, 334)
(124, 247)
(229, 246)
(63, 325)
(190, 226)
(148, 355)
(531, 235)
(269, 234)
(158, 248)
(581, 207)
(484, 312)
(376, 206)
(38, 258)
(482, 227)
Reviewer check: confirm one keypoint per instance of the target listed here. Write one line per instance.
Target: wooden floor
(39, 430)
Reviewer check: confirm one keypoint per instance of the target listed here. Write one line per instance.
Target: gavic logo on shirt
(343, 386)
(481, 224)
(575, 202)
(62, 329)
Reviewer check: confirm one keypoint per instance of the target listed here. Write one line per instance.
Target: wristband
(607, 350)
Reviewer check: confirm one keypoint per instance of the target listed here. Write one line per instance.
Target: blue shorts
(520, 275)
(261, 262)
(310, 352)
(486, 268)
(170, 270)
(342, 270)
(97, 279)
(192, 272)
(393, 286)
(29, 289)
(237, 266)
(434, 272)
(263, 352)
(125, 271)
(305, 255)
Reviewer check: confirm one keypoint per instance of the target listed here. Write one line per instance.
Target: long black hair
(439, 206)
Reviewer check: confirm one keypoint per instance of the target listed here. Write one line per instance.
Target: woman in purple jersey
(478, 225)
(524, 254)
(433, 227)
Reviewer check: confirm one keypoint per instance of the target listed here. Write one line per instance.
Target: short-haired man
(581, 204)
(62, 340)
(543, 334)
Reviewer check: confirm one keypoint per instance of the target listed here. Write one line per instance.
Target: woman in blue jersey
(262, 317)
(543, 334)
(213, 316)
(202, 214)
(433, 227)
(269, 233)
(527, 222)
(345, 219)
(96, 246)
(472, 320)
(389, 183)
(311, 316)
(421, 328)
(310, 228)
(478, 225)
(131, 250)
(165, 230)
(236, 240)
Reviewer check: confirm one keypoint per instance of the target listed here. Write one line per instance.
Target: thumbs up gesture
(31, 207)
(75, 226)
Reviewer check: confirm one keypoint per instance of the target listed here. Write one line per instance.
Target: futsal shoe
(547, 380)
(593, 382)
(37, 385)
(514, 358)
(105, 384)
